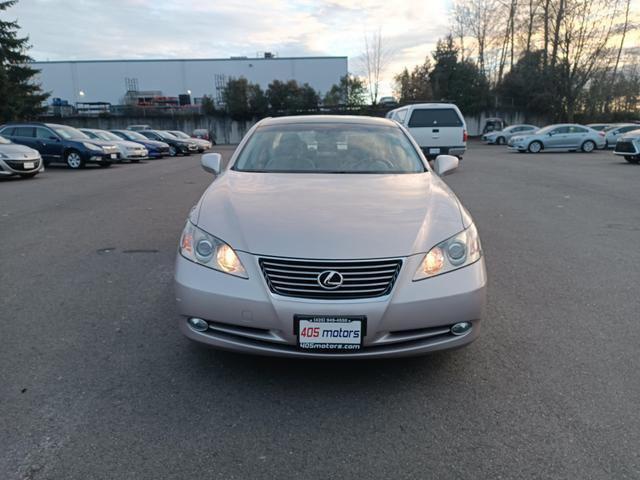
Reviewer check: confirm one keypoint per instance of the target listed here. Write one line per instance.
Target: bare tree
(374, 60)
(460, 19)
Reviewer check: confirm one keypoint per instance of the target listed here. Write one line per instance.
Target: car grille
(361, 278)
(625, 147)
(19, 166)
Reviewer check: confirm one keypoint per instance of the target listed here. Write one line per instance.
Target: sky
(119, 29)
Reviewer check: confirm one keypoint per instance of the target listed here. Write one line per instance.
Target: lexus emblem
(330, 279)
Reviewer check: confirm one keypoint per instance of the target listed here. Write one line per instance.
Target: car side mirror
(445, 163)
(550, 134)
(212, 162)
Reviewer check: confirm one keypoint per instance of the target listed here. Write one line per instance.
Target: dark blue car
(156, 149)
(60, 143)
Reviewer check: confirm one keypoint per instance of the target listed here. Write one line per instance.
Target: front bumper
(16, 166)
(136, 155)
(456, 151)
(414, 319)
(627, 148)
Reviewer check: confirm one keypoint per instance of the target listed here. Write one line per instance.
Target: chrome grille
(361, 278)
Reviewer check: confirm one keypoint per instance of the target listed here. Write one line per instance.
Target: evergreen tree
(20, 97)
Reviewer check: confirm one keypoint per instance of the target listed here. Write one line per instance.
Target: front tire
(74, 160)
(588, 146)
(535, 147)
(632, 159)
(173, 151)
(500, 140)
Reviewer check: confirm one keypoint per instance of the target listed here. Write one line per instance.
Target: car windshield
(134, 136)
(70, 133)
(180, 134)
(165, 134)
(3, 141)
(106, 135)
(329, 148)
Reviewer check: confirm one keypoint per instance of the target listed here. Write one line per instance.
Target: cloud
(116, 29)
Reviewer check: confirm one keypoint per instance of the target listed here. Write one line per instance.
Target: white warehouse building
(109, 80)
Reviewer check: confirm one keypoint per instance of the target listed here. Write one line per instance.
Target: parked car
(628, 146)
(598, 126)
(60, 143)
(439, 128)
(330, 236)
(614, 132)
(388, 102)
(203, 145)
(564, 136)
(130, 151)
(19, 160)
(137, 128)
(154, 148)
(204, 134)
(493, 124)
(501, 137)
(176, 145)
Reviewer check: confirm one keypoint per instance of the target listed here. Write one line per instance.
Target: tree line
(19, 97)
(243, 100)
(564, 59)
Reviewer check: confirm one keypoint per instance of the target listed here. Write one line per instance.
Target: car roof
(343, 119)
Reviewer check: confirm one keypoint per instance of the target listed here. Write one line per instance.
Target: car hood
(102, 143)
(154, 143)
(15, 149)
(330, 215)
(632, 135)
(129, 144)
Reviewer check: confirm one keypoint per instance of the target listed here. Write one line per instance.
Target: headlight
(200, 247)
(458, 251)
(92, 146)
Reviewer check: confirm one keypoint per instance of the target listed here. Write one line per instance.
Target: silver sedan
(501, 137)
(614, 132)
(330, 236)
(564, 136)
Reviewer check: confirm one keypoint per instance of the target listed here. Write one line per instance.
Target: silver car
(330, 236)
(564, 136)
(130, 151)
(628, 146)
(19, 160)
(203, 145)
(614, 132)
(501, 137)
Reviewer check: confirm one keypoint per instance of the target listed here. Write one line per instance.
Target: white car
(628, 146)
(502, 137)
(439, 128)
(130, 151)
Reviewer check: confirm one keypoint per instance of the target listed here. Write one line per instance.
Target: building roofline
(248, 59)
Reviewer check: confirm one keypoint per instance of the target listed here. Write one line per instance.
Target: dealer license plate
(28, 165)
(114, 156)
(330, 334)
(434, 151)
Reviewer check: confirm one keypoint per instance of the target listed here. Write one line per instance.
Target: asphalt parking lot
(98, 383)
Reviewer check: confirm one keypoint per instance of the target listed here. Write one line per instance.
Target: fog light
(461, 328)
(200, 325)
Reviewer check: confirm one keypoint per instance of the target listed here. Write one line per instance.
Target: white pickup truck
(439, 128)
